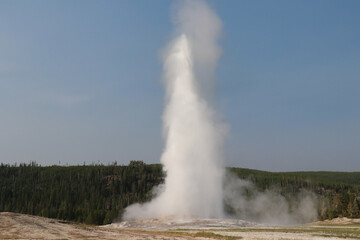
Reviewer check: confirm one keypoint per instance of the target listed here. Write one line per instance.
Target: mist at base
(245, 201)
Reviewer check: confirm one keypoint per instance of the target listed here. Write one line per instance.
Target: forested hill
(98, 194)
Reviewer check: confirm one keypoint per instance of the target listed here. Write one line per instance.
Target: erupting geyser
(194, 135)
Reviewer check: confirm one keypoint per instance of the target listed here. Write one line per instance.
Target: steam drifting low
(194, 135)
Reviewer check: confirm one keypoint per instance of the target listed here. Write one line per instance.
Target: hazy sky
(80, 81)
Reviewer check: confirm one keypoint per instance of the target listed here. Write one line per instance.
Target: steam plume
(269, 206)
(194, 135)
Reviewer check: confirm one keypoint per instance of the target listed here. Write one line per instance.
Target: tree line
(98, 194)
(94, 194)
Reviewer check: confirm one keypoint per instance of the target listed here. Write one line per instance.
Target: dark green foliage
(98, 194)
(91, 194)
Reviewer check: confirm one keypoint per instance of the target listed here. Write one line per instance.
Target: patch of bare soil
(21, 226)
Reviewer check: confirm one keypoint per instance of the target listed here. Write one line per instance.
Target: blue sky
(80, 82)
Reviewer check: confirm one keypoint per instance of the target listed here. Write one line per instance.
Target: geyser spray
(192, 157)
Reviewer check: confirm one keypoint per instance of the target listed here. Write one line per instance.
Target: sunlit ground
(21, 226)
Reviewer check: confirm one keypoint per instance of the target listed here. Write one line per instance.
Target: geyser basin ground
(168, 223)
(22, 226)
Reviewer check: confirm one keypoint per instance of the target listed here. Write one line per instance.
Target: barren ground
(20, 226)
